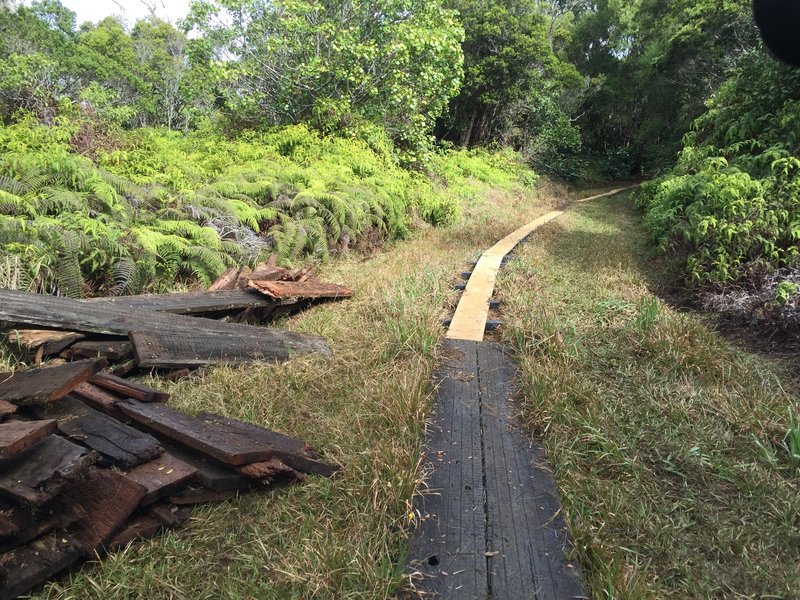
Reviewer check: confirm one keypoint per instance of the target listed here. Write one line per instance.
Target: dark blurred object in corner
(779, 22)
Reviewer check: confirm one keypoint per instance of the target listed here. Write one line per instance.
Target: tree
(515, 87)
(392, 62)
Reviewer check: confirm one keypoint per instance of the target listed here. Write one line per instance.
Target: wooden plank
(49, 341)
(226, 281)
(110, 350)
(227, 440)
(449, 546)
(105, 499)
(35, 476)
(280, 290)
(526, 532)
(170, 516)
(45, 384)
(76, 315)
(162, 476)
(128, 388)
(211, 474)
(200, 495)
(6, 409)
(469, 319)
(33, 564)
(17, 436)
(268, 471)
(121, 444)
(97, 397)
(22, 524)
(191, 303)
(172, 350)
(140, 527)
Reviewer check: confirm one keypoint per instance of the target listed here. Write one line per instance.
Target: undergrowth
(729, 211)
(159, 207)
(673, 450)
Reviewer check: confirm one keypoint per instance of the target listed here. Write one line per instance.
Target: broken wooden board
(22, 524)
(121, 444)
(128, 388)
(46, 340)
(111, 350)
(97, 397)
(170, 516)
(96, 317)
(30, 565)
(226, 281)
(17, 436)
(267, 471)
(211, 474)
(227, 440)
(105, 499)
(307, 290)
(201, 495)
(172, 350)
(45, 384)
(140, 527)
(191, 303)
(35, 476)
(161, 476)
(6, 408)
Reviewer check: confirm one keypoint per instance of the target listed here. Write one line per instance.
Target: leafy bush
(162, 206)
(733, 199)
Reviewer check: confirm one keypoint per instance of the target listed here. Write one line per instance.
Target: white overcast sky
(130, 10)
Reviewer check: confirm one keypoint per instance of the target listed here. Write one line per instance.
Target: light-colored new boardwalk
(491, 525)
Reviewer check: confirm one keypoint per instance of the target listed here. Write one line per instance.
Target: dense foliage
(361, 91)
(163, 206)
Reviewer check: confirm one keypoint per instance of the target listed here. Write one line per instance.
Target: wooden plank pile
(171, 331)
(90, 462)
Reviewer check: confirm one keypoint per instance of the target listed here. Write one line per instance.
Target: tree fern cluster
(165, 206)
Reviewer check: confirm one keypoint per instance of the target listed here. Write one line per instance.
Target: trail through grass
(667, 443)
(330, 539)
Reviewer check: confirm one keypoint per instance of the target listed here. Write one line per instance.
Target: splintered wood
(76, 481)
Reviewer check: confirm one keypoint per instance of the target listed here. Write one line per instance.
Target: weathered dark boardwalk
(491, 524)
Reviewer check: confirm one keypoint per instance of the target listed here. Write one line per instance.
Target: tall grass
(655, 425)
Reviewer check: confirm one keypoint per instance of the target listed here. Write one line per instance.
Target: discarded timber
(45, 384)
(200, 495)
(17, 436)
(30, 565)
(121, 444)
(6, 408)
(140, 527)
(129, 389)
(172, 350)
(197, 303)
(110, 350)
(211, 474)
(162, 476)
(35, 476)
(170, 516)
(95, 317)
(22, 524)
(46, 341)
(97, 397)
(281, 290)
(227, 440)
(269, 470)
(105, 499)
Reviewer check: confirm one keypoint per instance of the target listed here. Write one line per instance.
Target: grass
(669, 445)
(341, 538)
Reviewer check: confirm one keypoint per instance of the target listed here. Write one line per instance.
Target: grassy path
(329, 539)
(666, 441)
